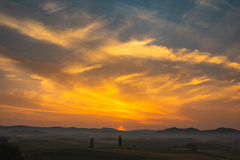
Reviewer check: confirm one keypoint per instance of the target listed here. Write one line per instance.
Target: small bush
(191, 146)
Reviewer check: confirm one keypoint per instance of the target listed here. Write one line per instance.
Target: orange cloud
(39, 31)
(129, 76)
(141, 49)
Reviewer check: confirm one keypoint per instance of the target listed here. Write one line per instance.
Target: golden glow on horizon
(121, 128)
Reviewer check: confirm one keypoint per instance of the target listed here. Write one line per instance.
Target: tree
(119, 141)
(191, 146)
(10, 151)
(4, 139)
(91, 143)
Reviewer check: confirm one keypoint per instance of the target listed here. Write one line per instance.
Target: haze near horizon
(124, 64)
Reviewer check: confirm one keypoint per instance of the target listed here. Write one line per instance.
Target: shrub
(191, 146)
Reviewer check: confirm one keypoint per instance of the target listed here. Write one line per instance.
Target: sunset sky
(126, 64)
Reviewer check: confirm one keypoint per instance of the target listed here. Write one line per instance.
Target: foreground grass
(216, 153)
(85, 154)
(32, 145)
(222, 153)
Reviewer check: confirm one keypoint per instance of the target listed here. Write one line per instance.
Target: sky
(124, 64)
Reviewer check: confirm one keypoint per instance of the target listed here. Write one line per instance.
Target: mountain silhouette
(226, 133)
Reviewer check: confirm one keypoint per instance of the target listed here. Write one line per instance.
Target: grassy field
(92, 154)
(229, 154)
(33, 145)
(217, 153)
(79, 149)
(222, 153)
(85, 154)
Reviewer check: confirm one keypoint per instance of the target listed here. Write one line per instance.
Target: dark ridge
(226, 129)
(32, 128)
(143, 130)
(174, 129)
(108, 129)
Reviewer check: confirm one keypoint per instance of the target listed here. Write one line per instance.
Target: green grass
(181, 151)
(216, 153)
(34, 145)
(86, 154)
(175, 151)
(28, 146)
(223, 153)
(166, 150)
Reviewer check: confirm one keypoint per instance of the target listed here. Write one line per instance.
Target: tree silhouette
(120, 141)
(91, 143)
(10, 151)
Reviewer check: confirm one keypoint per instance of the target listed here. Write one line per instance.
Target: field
(105, 154)
(61, 150)
(71, 148)
(34, 145)
(84, 154)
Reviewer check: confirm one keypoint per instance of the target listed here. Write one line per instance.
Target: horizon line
(121, 130)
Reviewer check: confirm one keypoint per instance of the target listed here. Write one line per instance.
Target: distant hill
(56, 131)
(111, 130)
(174, 129)
(27, 133)
(226, 130)
(195, 133)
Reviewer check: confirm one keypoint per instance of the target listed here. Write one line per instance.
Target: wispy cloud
(141, 49)
(51, 7)
(79, 69)
(129, 76)
(39, 31)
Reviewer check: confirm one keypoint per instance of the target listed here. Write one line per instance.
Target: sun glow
(121, 128)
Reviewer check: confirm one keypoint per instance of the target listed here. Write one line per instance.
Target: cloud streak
(51, 7)
(39, 31)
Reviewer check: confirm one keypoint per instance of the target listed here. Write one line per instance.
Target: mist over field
(222, 142)
(140, 138)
